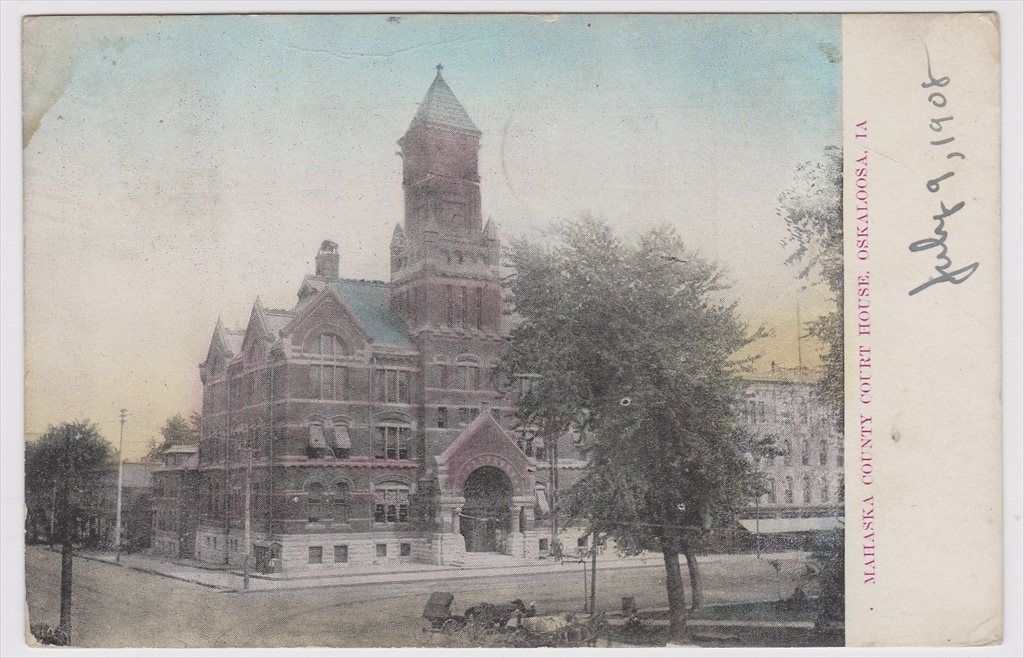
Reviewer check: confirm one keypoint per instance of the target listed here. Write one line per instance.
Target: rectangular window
(450, 305)
(467, 377)
(340, 553)
(466, 415)
(316, 555)
(805, 453)
(327, 382)
(807, 489)
(442, 417)
(382, 550)
(542, 544)
(405, 550)
(394, 442)
(464, 315)
(392, 385)
(479, 308)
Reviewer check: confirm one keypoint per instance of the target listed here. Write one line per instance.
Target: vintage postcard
(511, 330)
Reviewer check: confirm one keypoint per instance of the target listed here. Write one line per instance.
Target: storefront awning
(778, 526)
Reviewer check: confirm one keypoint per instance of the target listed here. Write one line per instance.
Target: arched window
(789, 489)
(314, 502)
(771, 491)
(325, 345)
(787, 453)
(840, 488)
(805, 453)
(822, 453)
(823, 484)
(327, 380)
(807, 488)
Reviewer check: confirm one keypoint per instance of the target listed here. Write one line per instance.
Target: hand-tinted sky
(176, 167)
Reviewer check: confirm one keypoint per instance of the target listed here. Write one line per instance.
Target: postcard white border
(11, 289)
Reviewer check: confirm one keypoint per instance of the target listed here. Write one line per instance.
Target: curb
(449, 575)
(153, 572)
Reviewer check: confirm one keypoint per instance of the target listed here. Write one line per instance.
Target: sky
(177, 167)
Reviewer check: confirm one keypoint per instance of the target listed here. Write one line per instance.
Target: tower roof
(440, 108)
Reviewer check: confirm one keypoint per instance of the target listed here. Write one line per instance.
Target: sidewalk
(231, 580)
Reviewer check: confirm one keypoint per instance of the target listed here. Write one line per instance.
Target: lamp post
(120, 481)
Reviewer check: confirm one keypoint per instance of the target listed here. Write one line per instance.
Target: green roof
(370, 301)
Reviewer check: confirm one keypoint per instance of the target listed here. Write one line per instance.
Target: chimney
(327, 260)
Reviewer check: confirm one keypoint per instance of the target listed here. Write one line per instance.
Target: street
(118, 607)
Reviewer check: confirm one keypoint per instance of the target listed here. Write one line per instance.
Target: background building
(176, 502)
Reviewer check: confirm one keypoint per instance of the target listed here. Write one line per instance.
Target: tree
(90, 458)
(812, 209)
(635, 347)
(70, 460)
(176, 432)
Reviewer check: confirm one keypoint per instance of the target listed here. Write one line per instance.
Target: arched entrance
(486, 516)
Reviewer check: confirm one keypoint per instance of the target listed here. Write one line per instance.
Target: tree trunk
(67, 547)
(676, 591)
(696, 584)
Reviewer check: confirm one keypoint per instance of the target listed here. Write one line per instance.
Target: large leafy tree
(73, 454)
(177, 431)
(812, 210)
(634, 346)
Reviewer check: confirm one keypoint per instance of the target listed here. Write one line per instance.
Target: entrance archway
(486, 515)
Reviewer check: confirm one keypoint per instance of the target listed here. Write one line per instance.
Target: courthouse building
(366, 422)
(365, 418)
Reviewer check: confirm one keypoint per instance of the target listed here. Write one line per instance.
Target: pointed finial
(219, 324)
(439, 67)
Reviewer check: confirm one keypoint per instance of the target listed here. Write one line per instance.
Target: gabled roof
(370, 301)
(276, 320)
(232, 340)
(440, 108)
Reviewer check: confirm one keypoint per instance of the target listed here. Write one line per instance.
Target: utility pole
(66, 552)
(593, 571)
(120, 480)
(553, 463)
(248, 515)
